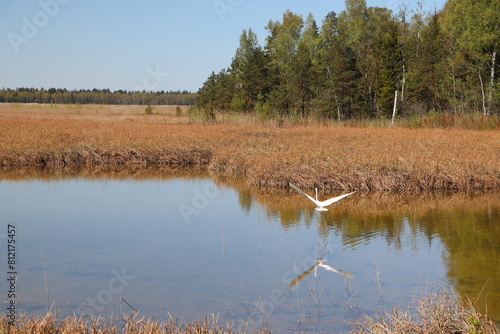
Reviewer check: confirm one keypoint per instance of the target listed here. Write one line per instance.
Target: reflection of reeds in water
(103, 172)
(372, 203)
(319, 263)
(370, 211)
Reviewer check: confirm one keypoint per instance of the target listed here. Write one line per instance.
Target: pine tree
(425, 76)
(249, 68)
(281, 46)
(387, 59)
(338, 73)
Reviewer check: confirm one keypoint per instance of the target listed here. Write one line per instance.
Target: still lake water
(188, 246)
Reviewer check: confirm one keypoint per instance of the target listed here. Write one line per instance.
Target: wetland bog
(105, 191)
(330, 157)
(179, 243)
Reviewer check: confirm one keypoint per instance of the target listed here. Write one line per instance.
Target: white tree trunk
(485, 110)
(492, 78)
(403, 83)
(394, 108)
(454, 92)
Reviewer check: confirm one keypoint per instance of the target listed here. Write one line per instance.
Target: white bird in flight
(320, 205)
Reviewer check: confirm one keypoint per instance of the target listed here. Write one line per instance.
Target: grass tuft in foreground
(440, 313)
(50, 324)
(444, 312)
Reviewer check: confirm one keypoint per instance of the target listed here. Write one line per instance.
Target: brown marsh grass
(438, 313)
(332, 157)
(50, 324)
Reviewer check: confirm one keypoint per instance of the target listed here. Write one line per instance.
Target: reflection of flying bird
(335, 270)
(301, 276)
(320, 205)
(319, 263)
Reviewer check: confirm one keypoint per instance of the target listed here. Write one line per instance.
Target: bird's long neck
(316, 193)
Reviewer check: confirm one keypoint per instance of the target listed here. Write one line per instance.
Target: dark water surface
(184, 245)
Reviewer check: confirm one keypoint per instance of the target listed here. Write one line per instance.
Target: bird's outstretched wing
(335, 270)
(301, 276)
(334, 199)
(303, 193)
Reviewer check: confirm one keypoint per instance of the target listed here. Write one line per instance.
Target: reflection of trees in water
(245, 200)
(472, 240)
(467, 225)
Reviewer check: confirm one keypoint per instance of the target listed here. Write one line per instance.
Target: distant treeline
(96, 96)
(354, 63)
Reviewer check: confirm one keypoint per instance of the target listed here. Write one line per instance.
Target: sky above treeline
(138, 45)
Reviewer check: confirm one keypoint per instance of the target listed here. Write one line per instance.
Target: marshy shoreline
(266, 155)
(335, 156)
(440, 312)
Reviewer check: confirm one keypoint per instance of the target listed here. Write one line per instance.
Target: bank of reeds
(330, 157)
(437, 313)
(108, 156)
(50, 324)
(440, 313)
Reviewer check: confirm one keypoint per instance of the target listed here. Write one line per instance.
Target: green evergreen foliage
(148, 110)
(351, 66)
(178, 111)
(96, 96)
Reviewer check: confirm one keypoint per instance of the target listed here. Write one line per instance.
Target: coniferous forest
(95, 96)
(359, 62)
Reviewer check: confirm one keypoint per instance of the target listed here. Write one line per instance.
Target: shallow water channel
(185, 245)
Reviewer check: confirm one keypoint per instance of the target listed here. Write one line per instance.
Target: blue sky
(150, 44)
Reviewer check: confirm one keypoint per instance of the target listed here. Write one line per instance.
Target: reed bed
(50, 324)
(331, 157)
(119, 156)
(439, 313)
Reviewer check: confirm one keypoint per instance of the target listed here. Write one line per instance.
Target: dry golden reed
(333, 157)
(50, 324)
(438, 313)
